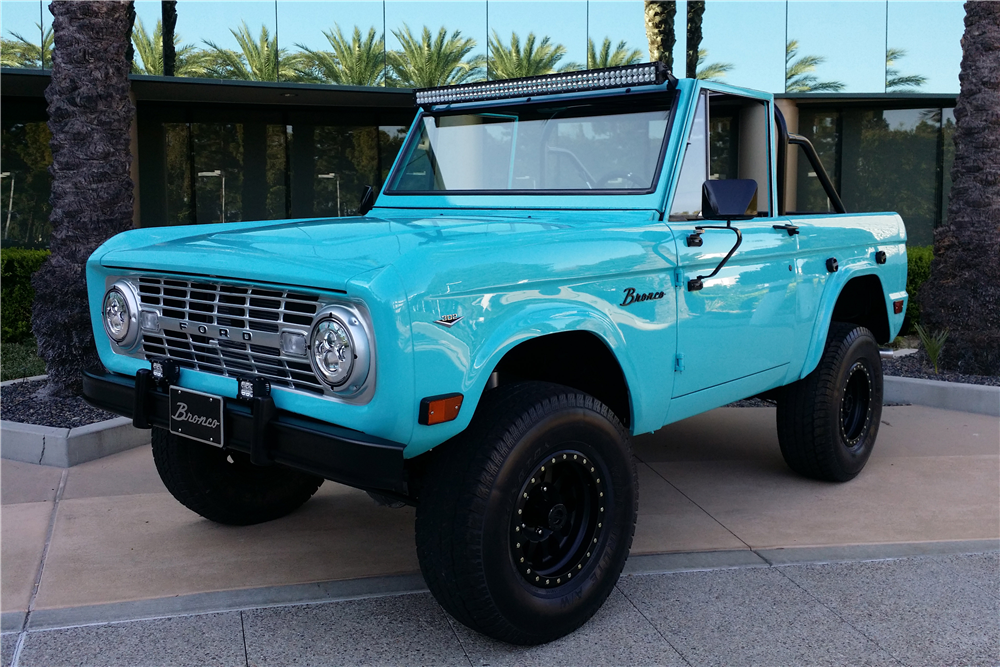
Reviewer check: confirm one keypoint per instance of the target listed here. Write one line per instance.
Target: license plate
(196, 415)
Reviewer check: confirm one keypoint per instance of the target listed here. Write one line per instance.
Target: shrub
(918, 269)
(16, 293)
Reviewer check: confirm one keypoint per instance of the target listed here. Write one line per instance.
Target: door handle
(791, 229)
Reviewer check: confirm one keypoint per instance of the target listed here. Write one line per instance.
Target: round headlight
(120, 310)
(339, 349)
(333, 351)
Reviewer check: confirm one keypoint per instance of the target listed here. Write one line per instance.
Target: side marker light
(439, 409)
(897, 307)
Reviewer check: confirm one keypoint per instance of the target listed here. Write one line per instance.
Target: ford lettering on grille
(230, 330)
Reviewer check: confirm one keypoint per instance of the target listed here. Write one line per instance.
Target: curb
(66, 447)
(980, 399)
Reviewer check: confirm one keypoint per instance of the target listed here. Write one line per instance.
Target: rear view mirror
(367, 200)
(730, 199)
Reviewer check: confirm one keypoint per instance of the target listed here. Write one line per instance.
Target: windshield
(598, 146)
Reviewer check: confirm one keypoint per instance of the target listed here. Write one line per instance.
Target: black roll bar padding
(817, 165)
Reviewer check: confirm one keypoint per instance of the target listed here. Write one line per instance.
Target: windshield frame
(669, 99)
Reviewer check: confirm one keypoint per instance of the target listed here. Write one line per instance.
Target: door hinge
(679, 363)
(678, 278)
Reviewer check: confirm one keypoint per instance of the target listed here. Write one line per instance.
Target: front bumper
(267, 434)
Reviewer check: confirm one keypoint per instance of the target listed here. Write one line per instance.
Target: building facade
(270, 116)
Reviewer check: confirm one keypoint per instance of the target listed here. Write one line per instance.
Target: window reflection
(835, 46)
(25, 183)
(435, 43)
(927, 38)
(531, 38)
(26, 41)
(881, 160)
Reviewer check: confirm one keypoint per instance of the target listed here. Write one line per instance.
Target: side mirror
(730, 199)
(367, 200)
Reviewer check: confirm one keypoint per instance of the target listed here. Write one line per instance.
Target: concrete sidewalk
(104, 542)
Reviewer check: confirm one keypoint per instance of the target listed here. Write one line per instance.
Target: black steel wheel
(224, 486)
(828, 421)
(525, 522)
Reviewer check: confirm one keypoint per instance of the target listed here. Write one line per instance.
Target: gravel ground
(18, 402)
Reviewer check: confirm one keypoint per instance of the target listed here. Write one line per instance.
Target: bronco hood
(322, 253)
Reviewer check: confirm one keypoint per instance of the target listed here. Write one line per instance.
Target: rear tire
(828, 420)
(223, 486)
(526, 519)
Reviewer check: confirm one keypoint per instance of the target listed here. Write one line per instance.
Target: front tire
(526, 520)
(828, 420)
(223, 486)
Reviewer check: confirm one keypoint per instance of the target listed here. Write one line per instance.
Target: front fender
(462, 357)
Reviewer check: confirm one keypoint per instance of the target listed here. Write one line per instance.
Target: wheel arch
(556, 357)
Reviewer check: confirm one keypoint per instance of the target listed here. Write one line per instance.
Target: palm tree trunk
(660, 31)
(89, 115)
(169, 18)
(963, 291)
(695, 12)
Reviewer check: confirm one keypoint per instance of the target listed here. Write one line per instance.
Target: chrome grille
(257, 313)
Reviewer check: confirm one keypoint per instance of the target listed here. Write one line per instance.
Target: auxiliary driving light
(293, 344)
(251, 388)
(165, 370)
(149, 320)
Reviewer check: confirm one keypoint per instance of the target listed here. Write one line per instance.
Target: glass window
(742, 44)
(579, 147)
(694, 171)
(924, 41)
(511, 24)
(451, 34)
(821, 128)
(26, 41)
(835, 47)
(335, 41)
(25, 183)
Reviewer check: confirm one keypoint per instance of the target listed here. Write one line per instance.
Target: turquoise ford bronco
(554, 265)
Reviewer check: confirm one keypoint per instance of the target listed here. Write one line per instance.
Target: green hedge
(918, 269)
(16, 294)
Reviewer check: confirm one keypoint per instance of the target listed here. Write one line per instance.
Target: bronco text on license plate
(196, 415)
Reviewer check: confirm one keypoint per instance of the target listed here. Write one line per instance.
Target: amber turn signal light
(897, 306)
(439, 409)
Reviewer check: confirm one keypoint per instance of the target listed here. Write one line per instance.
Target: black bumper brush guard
(268, 434)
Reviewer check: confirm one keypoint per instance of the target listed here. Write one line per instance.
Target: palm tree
(187, 62)
(893, 80)
(963, 291)
(19, 52)
(258, 59)
(356, 62)
(426, 62)
(514, 61)
(660, 34)
(622, 55)
(695, 12)
(90, 114)
(798, 73)
(712, 71)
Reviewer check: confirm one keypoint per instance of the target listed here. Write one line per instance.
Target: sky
(850, 35)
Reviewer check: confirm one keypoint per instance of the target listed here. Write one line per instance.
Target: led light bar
(627, 76)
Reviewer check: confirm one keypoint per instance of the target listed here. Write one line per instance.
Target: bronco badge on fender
(631, 297)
